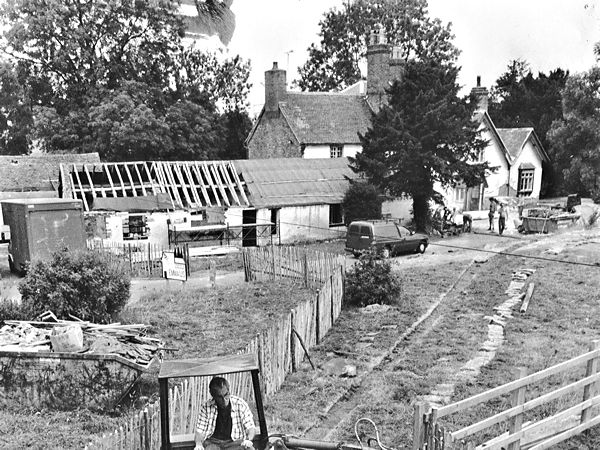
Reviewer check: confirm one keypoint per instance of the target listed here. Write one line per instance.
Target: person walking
(491, 214)
(502, 216)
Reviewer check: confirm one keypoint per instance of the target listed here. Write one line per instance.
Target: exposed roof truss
(189, 184)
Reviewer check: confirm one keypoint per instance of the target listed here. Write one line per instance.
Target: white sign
(173, 268)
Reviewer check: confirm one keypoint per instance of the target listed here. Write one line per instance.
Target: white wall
(322, 151)
(528, 155)
(400, 208)
(307, 223)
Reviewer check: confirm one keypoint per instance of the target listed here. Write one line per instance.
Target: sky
(490, 33)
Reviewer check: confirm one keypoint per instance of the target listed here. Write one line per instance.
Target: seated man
(225, 421)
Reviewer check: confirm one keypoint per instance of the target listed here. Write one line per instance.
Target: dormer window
(336, 151)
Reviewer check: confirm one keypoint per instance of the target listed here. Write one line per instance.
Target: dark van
(384, 238)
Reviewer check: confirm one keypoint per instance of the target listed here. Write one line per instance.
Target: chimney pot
(275, 67)
(478, 80)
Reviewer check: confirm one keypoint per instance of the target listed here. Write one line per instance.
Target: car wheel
(421, 248)
(385, 252)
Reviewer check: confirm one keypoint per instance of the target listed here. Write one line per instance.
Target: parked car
(384, 238)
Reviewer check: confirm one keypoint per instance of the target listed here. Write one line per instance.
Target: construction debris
(128, 341)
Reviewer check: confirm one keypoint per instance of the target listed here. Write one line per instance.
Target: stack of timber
(128, 341)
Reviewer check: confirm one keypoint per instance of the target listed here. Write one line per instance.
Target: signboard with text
(173, 268)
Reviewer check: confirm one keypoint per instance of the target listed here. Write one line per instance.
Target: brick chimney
(481, 96)
(396, 66)
(378, 69)
(275, 89)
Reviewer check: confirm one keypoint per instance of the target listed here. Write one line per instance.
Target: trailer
(41, 226)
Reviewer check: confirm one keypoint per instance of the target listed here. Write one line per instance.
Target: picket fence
(577, 403)
(280, 349)
(140, 259)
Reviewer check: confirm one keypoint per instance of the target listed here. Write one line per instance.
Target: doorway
(249, 228)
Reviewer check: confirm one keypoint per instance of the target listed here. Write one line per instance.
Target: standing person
(467, 222)
(225, 421)
(491, 214)
(502, 216)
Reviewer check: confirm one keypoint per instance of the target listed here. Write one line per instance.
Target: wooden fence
(488, 434)
(280, 348)
(141, 259)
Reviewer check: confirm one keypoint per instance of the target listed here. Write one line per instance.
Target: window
(460, 194)
(336, 151)
(135, 227)
(336, 217)
(525, 182)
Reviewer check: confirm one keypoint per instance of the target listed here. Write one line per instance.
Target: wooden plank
(85, 203)
(589, 389)
(527, 298)
(92, 188)
(126, 165)
(196, 170)
(172, 183)
(215, 172)
(509, 387)
(137, 170)
(512, 412)
(240, 184)
(418, 425)
(518, 398)
(110, 181)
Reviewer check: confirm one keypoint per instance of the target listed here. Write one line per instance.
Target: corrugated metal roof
(295, 181)
(324, 118)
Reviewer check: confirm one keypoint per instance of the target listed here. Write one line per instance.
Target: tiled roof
(324, 118)
(37, 172)
(514, 138)
(295, 181)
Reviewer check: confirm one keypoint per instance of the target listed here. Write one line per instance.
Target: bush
(10, 310)
(85, 284)
(371, 281)
(361, 201)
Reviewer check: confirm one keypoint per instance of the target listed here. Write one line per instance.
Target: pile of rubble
(48, 335)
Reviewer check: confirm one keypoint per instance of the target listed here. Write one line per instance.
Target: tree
(335, 62)
(361, 201)
(575, 138)
(520, 99)
(426, 135)
(15, 113)
(113, 77)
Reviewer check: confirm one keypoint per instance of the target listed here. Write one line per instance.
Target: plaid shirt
(241, 418)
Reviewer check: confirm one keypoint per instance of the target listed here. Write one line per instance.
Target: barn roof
(295, 181)
(29, 173)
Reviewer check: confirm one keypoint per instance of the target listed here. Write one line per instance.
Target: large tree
(335, 62)
(520, 99)
(427, 135)
(112, 76)
(575, 138)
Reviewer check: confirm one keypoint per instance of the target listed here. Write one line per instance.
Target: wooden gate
(508, 429)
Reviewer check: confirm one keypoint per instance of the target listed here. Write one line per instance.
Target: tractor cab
(242, 374)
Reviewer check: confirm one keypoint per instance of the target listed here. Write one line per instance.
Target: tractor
(220, 366)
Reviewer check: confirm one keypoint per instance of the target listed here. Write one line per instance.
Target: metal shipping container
(40, 226)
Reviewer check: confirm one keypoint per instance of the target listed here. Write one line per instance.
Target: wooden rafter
(188, 173)
(230, 185)
(184, 185)
(171, 182)
(217, 177)
(137, 170)
(207, 199)
(130, 179)
(150, 178)
(89, 177)
(120, 179)
(240, 184)
(81, 191)
(112, 185)
(211, 182)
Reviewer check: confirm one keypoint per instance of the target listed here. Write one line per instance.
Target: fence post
(305, 269)
(292, 341)
(318, 317)
(517, 398)
(149, 260)
(418, 425)
(589, 390)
